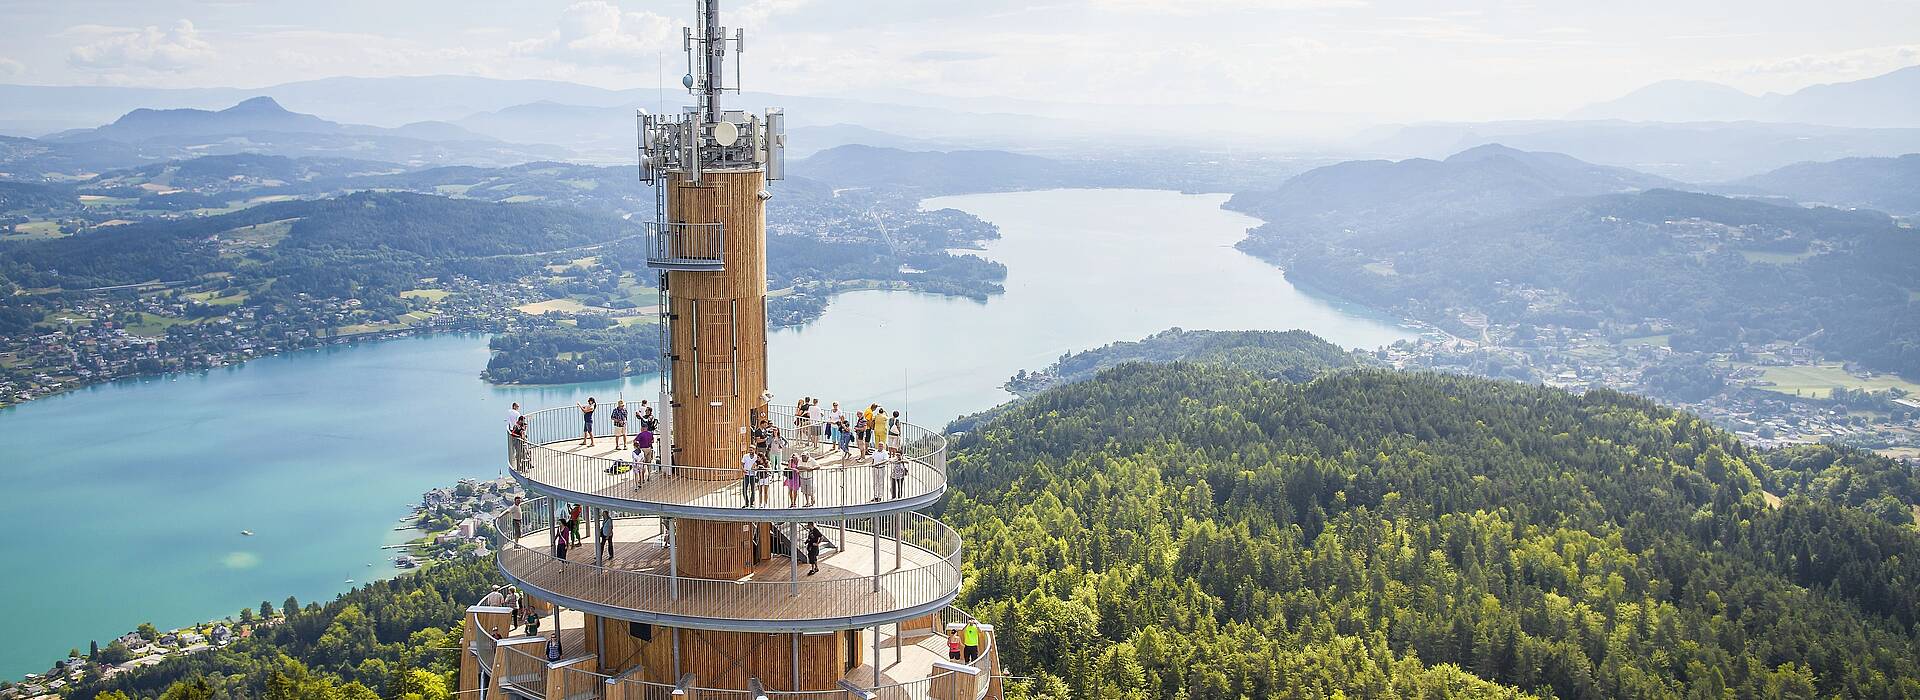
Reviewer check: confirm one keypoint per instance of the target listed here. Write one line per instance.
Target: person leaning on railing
(517, 446)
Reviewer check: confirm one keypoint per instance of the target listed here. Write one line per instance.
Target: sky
(1384, 59)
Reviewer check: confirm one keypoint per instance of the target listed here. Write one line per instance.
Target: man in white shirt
(513, 415)
(878, 462)
(747, 461)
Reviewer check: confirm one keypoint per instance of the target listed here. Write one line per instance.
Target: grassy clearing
(565, 306)
(213, 297)
(154, 325)
(1662, 340)
(38, 229)
(430, 295)
(1818, 381)
(101, 200)
(522, 198)
(1384, 268)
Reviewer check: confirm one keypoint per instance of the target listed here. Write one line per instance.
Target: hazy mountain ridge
(1888, 100)
(1370, 196)
(1438, 243)
(1887, 184)
(1693, 152)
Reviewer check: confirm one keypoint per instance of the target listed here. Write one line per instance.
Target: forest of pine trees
(1180, 531)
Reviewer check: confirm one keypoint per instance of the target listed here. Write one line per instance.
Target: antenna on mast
(706, 48)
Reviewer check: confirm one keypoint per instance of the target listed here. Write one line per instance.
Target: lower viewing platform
(870, 571)
(503, 658)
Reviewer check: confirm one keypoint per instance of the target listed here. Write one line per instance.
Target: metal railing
(579, 679)
(546, 458)
(677, 246)
(918, 564)
(525, 670)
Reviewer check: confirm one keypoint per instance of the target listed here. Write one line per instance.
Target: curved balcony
(552, 461)
(877, 570)
(913, 673)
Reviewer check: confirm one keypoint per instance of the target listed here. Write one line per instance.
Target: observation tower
(696, 593)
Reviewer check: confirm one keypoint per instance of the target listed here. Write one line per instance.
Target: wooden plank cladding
(719, 328)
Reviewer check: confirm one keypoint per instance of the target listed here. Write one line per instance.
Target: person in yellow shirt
(879, 421)
(970, 636)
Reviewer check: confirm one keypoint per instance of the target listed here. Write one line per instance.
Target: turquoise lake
(127, 500)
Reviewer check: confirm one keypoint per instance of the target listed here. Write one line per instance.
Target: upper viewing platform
(552, 461)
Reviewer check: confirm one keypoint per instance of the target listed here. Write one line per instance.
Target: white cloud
(598, 32)
(1827, 67)
(174, 49)
(10, 67)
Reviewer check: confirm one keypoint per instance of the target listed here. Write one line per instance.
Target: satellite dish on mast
(725, 133)
(687, 80)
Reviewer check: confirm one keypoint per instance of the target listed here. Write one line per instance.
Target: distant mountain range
(1693, 151)
(1371, 195)
(1884, 101)
(1891, 185)
(255, 126)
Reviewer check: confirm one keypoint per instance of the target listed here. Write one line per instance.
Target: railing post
(673, 571)
(874, 525)
(793, 558)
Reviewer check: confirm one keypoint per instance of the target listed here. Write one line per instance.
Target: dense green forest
(395, 639)
(595, 350)
(1201, 532)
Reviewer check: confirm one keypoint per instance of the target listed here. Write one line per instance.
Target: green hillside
(1184, 531)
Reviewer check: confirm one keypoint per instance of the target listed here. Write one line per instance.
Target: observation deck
(912, 664)
(552, 461)
(686, 247)
(874, 571)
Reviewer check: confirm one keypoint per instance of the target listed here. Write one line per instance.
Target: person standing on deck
(790, 477)
(879, 428)
(573, 523)
(553, 647)
(619, 417)
(897, 469)
(893, 431)
(877, 461)
(843, 439)
(747, 459)
(522, 453)
(800, 424)
(586, 420)
(642, 456)
(763, 480)
(606, 534)
(513, 415)
(807, 468)
(514, 516)
(970, 636)
(814, 538)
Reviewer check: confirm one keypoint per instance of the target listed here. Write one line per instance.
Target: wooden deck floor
(637, 577)
(842, 480)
